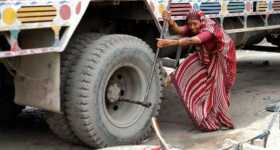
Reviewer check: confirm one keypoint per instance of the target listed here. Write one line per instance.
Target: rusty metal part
(144, 104)
(113, 93)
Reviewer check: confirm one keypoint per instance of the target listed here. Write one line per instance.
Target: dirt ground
(257, 85)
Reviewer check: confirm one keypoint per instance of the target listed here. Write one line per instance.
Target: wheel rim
(126, 82)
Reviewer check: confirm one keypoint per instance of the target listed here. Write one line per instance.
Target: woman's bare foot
(167, 81)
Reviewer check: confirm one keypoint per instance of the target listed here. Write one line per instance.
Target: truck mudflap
(20, 15)
(37, 80)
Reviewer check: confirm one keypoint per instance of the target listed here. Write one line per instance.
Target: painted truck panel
(216, 8)
(17, 16)
(221, 9)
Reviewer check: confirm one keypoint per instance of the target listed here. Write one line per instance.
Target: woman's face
(194, 25)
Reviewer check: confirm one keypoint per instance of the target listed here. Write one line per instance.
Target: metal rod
(265, 134)
(163, 31)
(158, 133)
(178, 56)
(147, 105)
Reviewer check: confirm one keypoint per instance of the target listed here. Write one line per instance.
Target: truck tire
(114, 66)
(244, 39)
(274, 38)
(58, 123)
(254, 37)
(8, 109)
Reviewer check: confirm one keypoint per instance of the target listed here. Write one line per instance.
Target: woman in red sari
(204, 79)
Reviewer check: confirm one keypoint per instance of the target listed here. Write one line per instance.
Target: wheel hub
(113, 93)
(125, 83)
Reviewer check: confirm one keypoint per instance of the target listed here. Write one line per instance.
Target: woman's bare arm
(189, 41)
(172, 24)
(179, 42)
(177, 29)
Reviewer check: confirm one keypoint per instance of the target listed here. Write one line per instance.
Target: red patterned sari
(204, 79)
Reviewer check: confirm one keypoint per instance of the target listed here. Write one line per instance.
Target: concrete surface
(257, 85)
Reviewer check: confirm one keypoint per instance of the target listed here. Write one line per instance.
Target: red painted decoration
(78, 8)
(65, 12)
(248, 7)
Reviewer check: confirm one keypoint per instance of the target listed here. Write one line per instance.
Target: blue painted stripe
(236, 7)
(210, 5)
(235, 11)
(236, 1)
(235, 4)
(210, 13)
(214, 11)
(204, 7)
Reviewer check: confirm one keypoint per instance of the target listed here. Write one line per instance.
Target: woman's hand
(166, 43)
(167, 17)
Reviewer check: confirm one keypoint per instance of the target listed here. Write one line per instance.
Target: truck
(87, 63)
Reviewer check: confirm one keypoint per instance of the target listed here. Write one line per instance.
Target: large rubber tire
(273, 36)
(8, 109)
(254, 37)
(274, 39)
(244, 39)
(58, 123)
(95, 120)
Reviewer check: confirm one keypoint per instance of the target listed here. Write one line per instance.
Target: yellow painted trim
(36, 9)
(9, 16)
(56, 30)
(36, 19)
(35, 14)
